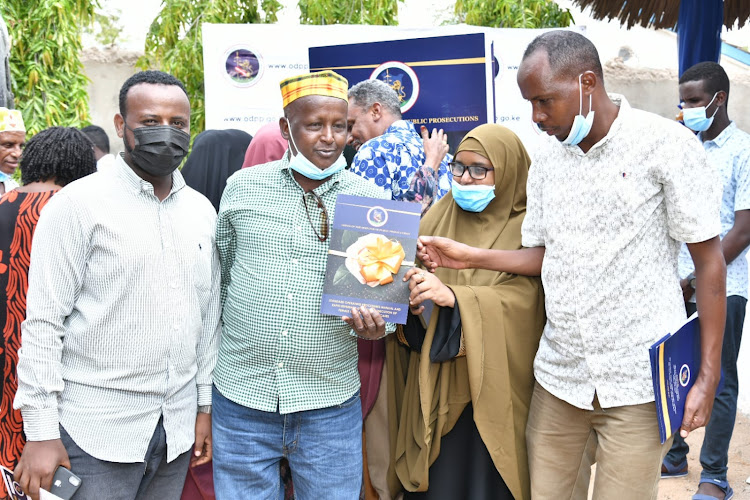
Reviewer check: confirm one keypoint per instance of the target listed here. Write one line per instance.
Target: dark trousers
(715, 450)
(152, 479)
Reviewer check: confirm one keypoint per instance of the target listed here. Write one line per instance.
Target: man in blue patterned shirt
(704, 92)
(390, 153)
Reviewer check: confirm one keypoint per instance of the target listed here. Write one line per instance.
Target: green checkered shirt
(278, 353)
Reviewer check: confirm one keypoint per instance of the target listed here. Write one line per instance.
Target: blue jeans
(152, 479)
(324, 449)
(715, 450)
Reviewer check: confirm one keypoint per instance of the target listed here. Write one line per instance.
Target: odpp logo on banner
(243, 66)
(402, 79)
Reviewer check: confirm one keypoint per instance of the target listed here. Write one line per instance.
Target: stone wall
(656, 90)
(107, 69)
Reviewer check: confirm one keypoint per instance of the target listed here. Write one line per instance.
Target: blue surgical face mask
(696, 119)
(581, 126)
(4, 177)
(305, 167)
(472, 197)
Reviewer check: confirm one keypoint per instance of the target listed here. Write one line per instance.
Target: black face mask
(158, 150)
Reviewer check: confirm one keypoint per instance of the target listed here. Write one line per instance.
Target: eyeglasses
(323, 234)
(476, 172)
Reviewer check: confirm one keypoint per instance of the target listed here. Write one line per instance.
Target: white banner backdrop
(244, 63)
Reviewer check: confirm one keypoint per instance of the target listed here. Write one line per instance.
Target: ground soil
(739, 465)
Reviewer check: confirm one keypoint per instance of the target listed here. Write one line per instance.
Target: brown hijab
(502, 317)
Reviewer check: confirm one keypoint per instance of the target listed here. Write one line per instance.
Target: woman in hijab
(459, 398)
(216, 155)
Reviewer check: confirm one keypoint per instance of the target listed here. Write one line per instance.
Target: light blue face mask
(4, 177)
(305, 167)
(696, 119)
(581, 126)
(472, 198)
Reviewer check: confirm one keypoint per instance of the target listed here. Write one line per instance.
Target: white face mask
(581, 126)
(472, 197)
(305, 167)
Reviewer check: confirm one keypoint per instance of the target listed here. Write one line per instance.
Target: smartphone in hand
(64, 483)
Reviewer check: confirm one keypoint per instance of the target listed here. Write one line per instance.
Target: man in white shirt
(121, 334)
(12, 139)
(610, 198)
(704, 93)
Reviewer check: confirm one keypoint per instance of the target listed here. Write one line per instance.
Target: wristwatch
(204, 409)
(691, 280)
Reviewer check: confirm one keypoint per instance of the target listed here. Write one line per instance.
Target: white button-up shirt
(122, 317)
(729, 153)
(612, 220)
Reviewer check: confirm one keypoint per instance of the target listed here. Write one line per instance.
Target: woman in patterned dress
(51, 159)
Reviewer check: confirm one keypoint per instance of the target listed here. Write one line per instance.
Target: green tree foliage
(381, 12)
(49, 82)
(106, 28)
(174, 42)
(512, 13)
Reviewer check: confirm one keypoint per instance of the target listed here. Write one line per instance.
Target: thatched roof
(658, 13)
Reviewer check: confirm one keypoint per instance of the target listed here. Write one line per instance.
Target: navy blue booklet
(675, 361)
(373, 244)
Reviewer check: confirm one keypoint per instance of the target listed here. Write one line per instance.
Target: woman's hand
(427, 286)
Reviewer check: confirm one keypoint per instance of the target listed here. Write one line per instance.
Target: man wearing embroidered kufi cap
(12, 139)
(286, 381)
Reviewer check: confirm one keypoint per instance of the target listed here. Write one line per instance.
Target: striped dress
(19, 213)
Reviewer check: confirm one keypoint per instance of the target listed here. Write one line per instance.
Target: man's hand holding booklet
(675, 361)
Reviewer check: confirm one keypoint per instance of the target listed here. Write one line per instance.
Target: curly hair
(61, 154)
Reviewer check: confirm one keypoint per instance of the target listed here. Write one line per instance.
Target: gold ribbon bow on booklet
(373, 259)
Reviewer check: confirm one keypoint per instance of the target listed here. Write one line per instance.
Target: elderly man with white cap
(12, 139)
